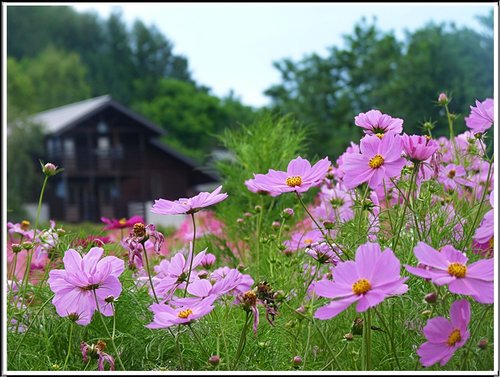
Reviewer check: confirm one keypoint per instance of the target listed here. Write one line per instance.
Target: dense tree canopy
(375, 70)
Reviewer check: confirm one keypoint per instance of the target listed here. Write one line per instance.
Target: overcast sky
(233, 46)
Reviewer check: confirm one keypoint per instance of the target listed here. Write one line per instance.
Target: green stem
(390, 335)
(107, 331)
(192, 255)
(31, 323)
(487, 307)
(149, 273)
(30, 253)
(320, 229)
(396, 240)
(259, 226)
(476, 218)
(69, 345)
(199, 341)
(367, 341)
(242, 342)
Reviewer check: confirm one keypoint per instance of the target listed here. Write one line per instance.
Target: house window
(103, 143)
(102, 127)
(61, 190)
(69, 147)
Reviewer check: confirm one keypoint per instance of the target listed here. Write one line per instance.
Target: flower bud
(240, 221)
(257, 208)
(431, 298)
(214, 360)
(241, 267)
(49, 169)
(483, 343)
(247, 214)
(297, 360)
(443, 99)
(287, 213)
(208, 260)
(276, 224)
(301, 310)
(426, 313)
(16, 248)
(357, 326)
(348, 336)
(328, 225)
(27, 245)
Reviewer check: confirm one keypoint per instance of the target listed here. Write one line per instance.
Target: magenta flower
(418, 148)
(444, 336)
(374, 122)
(449, 267)
(299, 177)
(75, 286)
(379, 159)
(188, 205)
(166, 316)
(368, 280)
(122, 223)
(482, 116)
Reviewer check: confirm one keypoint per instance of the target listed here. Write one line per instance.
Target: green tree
(375, 70)
(24, 143)
(21, 96)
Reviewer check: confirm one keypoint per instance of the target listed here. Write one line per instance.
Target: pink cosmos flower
(336, 205)
(166, 316)
(379, 159)
(368, 280)
(374, 122)
(74, 286)
(453, 177)
(299, 177)
(450, 267)
(234, 281)
(188, 205)
(338, 171)
(258, 189)
(485, 232)
(174, 274)
(482, 116)
(444, 336)
(301, 239)
(418, 148)
(121, 223)
(323, 253)
(206, 223)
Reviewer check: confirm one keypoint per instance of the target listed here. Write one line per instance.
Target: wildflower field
(379, 259)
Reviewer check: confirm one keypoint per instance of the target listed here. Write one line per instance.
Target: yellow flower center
(122, 221)
(376, 161)
(184, 313)
(458, 270)
(25, 224)
(380, 135)
(294, 181)
(454, 337)
(308, 241)
(492, 243)
(451, 174)
(361, 286)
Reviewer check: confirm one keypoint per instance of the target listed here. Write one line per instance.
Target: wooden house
(114, 163)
